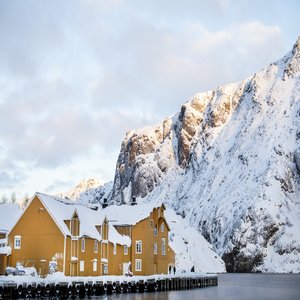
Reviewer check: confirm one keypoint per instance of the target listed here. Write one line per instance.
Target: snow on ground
(190, 247)
(58, 277)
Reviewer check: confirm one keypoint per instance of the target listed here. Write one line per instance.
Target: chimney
(133, 201)
(104, 203)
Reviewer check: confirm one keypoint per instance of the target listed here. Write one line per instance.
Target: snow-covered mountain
(89, 191)
(229, 162)
(190, 247)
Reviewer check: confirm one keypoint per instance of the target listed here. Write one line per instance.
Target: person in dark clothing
(174, 270)
(193, 269)
(170, 269)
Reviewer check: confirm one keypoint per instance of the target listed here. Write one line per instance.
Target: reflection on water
(231, 287)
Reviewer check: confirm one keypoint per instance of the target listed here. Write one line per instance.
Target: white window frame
(95, 263)
(82, 244)
(81, 266)
(115, 249)
(105, 269)
(138, 247)
(163, 246)
(155, 230)
(17, 242)
(162, 227)
(125, 250)
(155, 248)
(95, 246)
(138, 265)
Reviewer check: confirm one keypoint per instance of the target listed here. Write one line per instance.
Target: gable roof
(9, 214)
(62, 210)
(129, 214)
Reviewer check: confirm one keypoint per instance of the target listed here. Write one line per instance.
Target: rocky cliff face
(229, 162)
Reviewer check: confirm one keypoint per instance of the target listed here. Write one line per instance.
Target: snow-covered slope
(190, 247)
(229, 162)
(89, 191)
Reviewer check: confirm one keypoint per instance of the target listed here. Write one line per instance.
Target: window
(155, 248)
(105, 269)
(138, 265)
(155, 230)
(163, 246)
(151, 224)
(138, 247)
(95, 246)
(81, 266)
(83, 245)
(115, 249)
(17, 243)
(125, 250)
(95, 265)
(75, 226)
(162, 227)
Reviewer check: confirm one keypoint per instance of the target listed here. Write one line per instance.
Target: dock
(74, 287)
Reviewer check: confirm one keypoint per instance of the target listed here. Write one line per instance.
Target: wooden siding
(41, 239)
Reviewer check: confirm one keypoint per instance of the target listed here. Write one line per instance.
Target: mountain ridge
(228, 162)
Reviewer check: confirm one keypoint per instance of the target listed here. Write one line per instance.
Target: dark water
(232, 287)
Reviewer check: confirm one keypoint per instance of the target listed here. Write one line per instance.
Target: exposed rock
(228, 162)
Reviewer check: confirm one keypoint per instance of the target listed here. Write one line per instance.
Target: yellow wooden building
(54, 234)
(9, 213)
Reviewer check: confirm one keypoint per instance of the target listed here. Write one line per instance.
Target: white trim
(81, 266)
(95, 265)
(64, 265)
(83, 244)
(155, 230)
(125, 248)
(162, 227)
(163, 246)
(29, 203)
(96, 246)
(136, 264)
(136, 246)
(19, 239)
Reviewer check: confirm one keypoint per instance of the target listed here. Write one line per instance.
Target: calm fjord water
(232, 287)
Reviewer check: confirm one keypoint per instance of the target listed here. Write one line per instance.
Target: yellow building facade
(53, 234)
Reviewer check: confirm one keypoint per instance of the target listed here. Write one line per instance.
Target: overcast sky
(75, 76)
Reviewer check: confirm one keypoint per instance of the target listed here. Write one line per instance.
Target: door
(74, 268)
(125, 268)
(44, 268)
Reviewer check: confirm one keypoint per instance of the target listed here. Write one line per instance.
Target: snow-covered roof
(62, 210)
(9, 213)
(116, 238)
(5, 250)
(128, 214)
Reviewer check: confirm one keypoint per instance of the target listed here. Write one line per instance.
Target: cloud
(77, 75)
(10, 180)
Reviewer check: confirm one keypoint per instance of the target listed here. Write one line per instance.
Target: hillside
(88, 191)
(229, 162)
